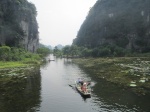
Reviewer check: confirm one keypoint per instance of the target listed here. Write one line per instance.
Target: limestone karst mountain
(18, 24)
(121, 23)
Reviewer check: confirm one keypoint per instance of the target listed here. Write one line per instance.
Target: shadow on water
(85, 98)
(21, 94)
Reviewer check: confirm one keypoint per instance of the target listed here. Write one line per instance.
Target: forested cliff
(18, 24)
(121, 23)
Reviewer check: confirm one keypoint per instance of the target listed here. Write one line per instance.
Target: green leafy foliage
(4, 53)
(85, 52)
(66, 50)
(57, 52)
(106, 50)
(16, 54)
(43, 51)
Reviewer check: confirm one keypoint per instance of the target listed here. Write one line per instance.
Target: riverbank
(17, 86)
(14, 78)
(13, 64)
(16, 71)
(132, 72)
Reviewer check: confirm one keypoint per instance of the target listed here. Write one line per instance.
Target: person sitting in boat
(80, 81)
(84, 87)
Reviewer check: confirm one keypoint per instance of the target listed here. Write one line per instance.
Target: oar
(70, 85)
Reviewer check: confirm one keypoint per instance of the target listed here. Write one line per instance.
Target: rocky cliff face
(31, 39)
(123, 23)
(18, 25)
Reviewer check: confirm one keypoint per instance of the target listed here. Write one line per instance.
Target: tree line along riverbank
(17, 57)
(132, 72)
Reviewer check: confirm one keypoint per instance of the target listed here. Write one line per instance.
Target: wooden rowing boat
(87, 92)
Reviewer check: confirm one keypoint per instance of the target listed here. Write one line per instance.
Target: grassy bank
(14, 64)
(9, 70)
(16, 72)
(131, 72)
(11, 57)
(17, 66)
(11, 64)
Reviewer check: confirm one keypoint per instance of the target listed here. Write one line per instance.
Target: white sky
(60, 20)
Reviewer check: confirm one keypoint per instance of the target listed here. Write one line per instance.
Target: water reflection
(115, 98)
(111, 97)
(85, 98)
(21, 94)
(46, 94)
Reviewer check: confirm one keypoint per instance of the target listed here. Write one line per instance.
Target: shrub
(43, 51)
(4, 53)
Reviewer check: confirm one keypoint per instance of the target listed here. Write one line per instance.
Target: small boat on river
(50, 60)
(83, 88)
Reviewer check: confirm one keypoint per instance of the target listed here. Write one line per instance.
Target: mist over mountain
(59, 46)
(121, 23)
(50, 47)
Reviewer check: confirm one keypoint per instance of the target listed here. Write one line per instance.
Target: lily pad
(133, 85)
(142, 80)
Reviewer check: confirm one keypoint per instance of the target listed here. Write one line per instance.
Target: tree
(74, 50)
(66, 50)
(57, 52)
(4, 53)
(43, 51)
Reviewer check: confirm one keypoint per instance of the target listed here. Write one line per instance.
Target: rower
(83, 87)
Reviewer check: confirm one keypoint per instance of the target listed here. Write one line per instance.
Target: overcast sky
(60, 20)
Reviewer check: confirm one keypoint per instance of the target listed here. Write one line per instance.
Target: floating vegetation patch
(9, 73)
(122, 70)
(133, 84)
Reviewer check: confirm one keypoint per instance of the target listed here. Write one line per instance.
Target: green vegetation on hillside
(75, 51)
(43, 51)
(16, 54)
(116, 27)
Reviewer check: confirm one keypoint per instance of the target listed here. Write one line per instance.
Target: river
(48, 90)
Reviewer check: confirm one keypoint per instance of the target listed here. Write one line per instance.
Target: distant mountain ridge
(122, 23)
(59, 46)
